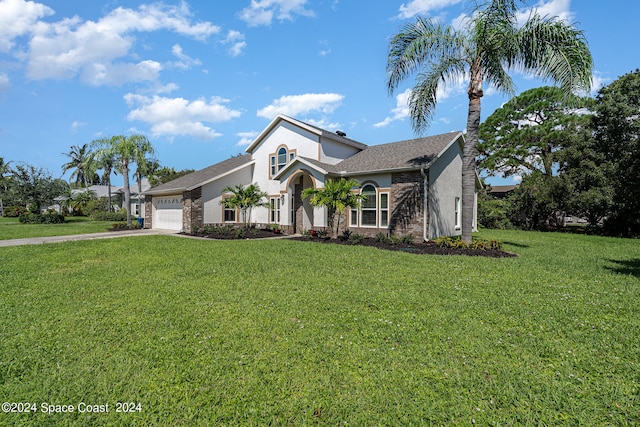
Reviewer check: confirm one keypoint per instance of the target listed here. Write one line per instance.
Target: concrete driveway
(91, 236)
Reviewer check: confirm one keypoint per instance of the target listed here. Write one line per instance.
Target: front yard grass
(11, 228)
(279, 332)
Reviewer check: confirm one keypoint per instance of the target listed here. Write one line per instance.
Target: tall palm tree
(83, 162)
(490, 44)
(105, 160)
(146, 167)
(125, 150)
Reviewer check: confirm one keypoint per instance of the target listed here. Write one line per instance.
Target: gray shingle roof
(199, 177)
(409, 154)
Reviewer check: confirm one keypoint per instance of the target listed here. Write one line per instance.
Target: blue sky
(202, 78)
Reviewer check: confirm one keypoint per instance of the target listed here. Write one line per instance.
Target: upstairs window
(282, 157)
(279, 160)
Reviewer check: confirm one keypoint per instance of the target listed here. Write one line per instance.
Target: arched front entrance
(301, 213)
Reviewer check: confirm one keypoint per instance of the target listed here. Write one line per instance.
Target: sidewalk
(91, 236)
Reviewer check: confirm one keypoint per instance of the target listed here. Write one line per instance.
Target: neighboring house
(413, 187)
(117, 196)
(501, 191)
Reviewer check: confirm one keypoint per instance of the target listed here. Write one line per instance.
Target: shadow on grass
(517, 245)
(628, 266)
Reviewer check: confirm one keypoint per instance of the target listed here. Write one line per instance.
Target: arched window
(282, 157)
(369, 207)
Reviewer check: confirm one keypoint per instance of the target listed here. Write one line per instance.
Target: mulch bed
(238, 234)
(425, 248)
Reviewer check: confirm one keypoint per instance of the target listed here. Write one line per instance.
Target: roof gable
(201, 177)
(321, 133)
(402, 155)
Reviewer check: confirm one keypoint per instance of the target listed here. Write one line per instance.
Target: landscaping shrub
(381, 237)
(123, 226)
(47, 218)
(108, 216)
(13, 211)
(458, 243)
(356, 238)
(408, 239)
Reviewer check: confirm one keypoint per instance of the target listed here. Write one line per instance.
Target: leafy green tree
(529, 132)
(5, 172)
(491, 44)
(82, 160)
(539, 202)
(493, 212)
(337, 195)
(617, 134)
(245, 199)
(166, 174)
(589, 175)
(35, 187)
(125, 150)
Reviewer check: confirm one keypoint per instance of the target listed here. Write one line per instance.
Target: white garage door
(167, 213)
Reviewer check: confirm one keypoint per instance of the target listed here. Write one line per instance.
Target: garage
(167, 213)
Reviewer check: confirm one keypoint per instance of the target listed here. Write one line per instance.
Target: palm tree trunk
(139, 191)
(469, 157)
(127, 191)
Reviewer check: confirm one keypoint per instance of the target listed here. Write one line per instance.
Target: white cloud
(417, 7)
(400, 112)
(246, 138)
(178, 116)
(236, 40)
(17, 18)
(95, 50)
(324, 124)
(77, 125)
(263, 12)
(551, 8)
(295, 105)
(598, 82)
(5, 84)
(185, 61)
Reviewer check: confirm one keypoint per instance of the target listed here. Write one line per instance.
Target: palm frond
(555, 51)
(419, 45)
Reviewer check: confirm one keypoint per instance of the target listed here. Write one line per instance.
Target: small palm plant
(337, 195)
(245, 199)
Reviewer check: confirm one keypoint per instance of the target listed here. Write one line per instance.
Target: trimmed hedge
(47, 218)
(109, 216)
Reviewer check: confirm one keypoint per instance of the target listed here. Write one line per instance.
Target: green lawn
(10, 228)
(287, 333)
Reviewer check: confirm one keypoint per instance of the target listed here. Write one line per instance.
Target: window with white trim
(274, 207)
(374, 210)
(280, 159)
(458, 219)
(384, 209)
(230, 214)
(369, 206)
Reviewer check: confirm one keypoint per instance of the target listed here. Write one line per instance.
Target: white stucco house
(412, 187)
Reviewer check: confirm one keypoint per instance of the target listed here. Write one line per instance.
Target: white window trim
(457, 213)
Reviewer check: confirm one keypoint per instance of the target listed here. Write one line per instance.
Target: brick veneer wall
(192, 210)
(407, 204)
(148, 212)
(407, 208)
